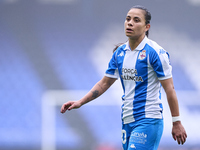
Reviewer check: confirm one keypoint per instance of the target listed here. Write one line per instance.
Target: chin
(131, 36)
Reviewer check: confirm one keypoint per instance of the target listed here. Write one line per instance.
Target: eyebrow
(133, 17)
(137, 18)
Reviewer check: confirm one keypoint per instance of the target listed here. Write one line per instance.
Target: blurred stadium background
(52, 51)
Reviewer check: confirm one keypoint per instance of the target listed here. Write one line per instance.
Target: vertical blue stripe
(160, 92)
(140, 88)
(160, 105)
(156, 63)
(120, 60)
(122, 113)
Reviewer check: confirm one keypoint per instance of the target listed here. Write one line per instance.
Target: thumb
(72, 106)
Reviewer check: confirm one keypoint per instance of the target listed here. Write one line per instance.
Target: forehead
(135, 12)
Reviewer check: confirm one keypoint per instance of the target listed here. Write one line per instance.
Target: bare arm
(98, 89)
(171, 96)
(178, 131)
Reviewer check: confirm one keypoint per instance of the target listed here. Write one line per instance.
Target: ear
(147, 27)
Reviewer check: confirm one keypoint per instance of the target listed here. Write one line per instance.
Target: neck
(134, 42)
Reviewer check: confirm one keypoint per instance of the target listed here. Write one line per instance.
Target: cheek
(138, 28)
(141, 28)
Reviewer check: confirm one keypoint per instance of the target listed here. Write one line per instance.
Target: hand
(70, 105)
(178, 132)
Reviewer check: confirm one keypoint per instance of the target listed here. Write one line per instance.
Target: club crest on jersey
(142, 55)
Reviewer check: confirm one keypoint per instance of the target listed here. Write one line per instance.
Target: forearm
(171, 96)
(95, 92)
(98, 89)
(173, 103)
(178, 131)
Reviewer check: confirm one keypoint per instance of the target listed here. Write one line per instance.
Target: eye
(137, 19)
(128, 18)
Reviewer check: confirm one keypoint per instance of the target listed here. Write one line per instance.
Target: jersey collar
(139, 47)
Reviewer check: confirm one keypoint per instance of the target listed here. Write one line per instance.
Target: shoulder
(120, 49)
(155, 47)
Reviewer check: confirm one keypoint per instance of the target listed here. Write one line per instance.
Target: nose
(130, 24)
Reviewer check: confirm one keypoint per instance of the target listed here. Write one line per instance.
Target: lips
(129, 30)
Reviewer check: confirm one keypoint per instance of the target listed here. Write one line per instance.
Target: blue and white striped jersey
(140, 71)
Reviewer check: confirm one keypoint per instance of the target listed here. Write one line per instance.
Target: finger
(65, 107)
(71, 107)
(178, 140)
(61, 110)
(174, 136)
(184, 138)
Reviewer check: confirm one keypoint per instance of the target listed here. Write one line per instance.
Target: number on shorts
(123, 136)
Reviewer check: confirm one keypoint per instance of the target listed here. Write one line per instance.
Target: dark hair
(116, 47)
(147, 21)
(147, 15)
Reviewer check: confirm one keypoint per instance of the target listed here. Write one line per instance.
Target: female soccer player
(142, 66)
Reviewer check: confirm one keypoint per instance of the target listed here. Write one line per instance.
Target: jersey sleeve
(161, 64)
(112, 70)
